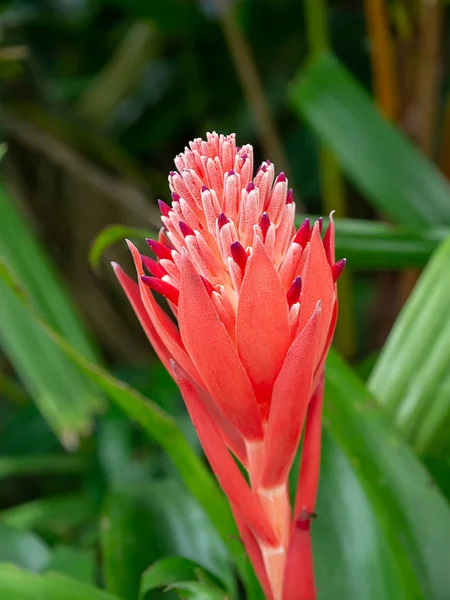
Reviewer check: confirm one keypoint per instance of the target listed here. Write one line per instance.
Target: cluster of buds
(255, 308)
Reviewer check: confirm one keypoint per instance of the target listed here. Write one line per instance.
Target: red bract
(255, 301)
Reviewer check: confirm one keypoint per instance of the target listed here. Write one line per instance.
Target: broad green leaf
(22, 548)
(412, 514)
(16, 584)
(353, 559)
(167, 571)
(398, 180)
(411, 377)
(378, 245)
(192, 590)
(112, 234)
(76, 563)
(55, 384)
(143, 523)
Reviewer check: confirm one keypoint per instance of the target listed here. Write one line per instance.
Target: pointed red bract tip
(320, 221)
(172, 173)
(155, 268)
(164, 208)
(239, 255)
(250, 187)
(185, 229)
(303, 234)
(281, 178)
(293, 293)
(205, 188)
(290, 197)
(208, 285)
(337, 268)
(222, 220)
(160, 250)
(162, 287)
(231, 172)
(175, 197)
(264, 223)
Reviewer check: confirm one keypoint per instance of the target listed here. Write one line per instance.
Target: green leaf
(411, 513)
(56, 514)
(398, 180)
(22, 548)
(170, 570)
(16, 584)
(55, 384)
(38, 277)
(111, 235)
(192, 590)
(36, 465)
(411, 377)
(352, 556)
(68, 402)
(378, 245)
(76, 563)
(143, 523)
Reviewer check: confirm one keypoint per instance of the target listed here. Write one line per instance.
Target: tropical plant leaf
(112, 234)
(57, 387)
(398, 180)
(412, 513)
(169, 570)
(411, 377)
(23, 548)
(143, 523)
(16, 584)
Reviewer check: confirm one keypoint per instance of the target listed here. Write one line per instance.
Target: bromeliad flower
(255, 301)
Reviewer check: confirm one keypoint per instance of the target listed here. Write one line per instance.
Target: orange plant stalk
(256, 306)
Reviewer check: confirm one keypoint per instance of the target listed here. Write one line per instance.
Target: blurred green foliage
(104, 492)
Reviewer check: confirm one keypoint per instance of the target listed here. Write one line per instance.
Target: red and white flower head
(256, 306)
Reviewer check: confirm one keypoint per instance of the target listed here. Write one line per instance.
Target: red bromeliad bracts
(256, 307)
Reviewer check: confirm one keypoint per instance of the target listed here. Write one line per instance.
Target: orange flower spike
(256, 306)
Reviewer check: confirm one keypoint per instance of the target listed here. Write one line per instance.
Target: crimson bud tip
(264, 223)
(303, 234)
(160, 250)
(185, 229)
(290, 197)
(164, 208)
(222, 220)
(293, 293)
(239, 254)
(162, 287)
(281, 178)
(337, 268)
(208, 285)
